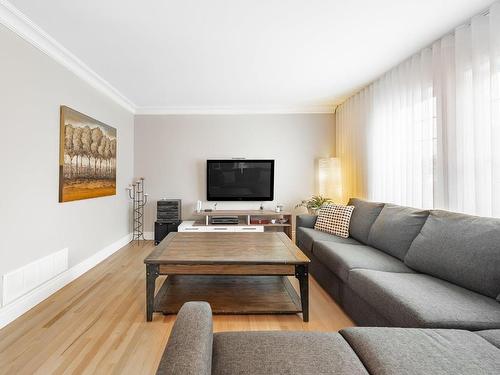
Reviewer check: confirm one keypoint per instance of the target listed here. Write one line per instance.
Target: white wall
(32, 222)
(171, 153)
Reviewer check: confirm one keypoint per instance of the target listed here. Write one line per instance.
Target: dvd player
(224, 220)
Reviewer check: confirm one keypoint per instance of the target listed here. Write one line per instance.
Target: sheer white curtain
(427, 133)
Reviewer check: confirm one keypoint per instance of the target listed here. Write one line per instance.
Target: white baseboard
(21, 305)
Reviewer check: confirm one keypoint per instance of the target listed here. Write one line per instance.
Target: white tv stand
(248, 221)
(190, 226)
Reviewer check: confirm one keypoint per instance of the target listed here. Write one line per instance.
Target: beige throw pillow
(334, 219)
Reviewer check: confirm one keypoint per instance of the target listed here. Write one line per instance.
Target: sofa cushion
(362, 218)
(307, 236)
(342, 258)
(491, 335)
(395, 229)
(422, 351)
(422, 301)
(283, 353)
(462, 249)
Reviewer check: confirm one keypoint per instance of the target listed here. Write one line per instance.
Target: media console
(248, 221)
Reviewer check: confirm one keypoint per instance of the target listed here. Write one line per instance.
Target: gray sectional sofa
(406, 267)
(193, 349)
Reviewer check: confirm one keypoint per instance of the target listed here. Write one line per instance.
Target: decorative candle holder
(139, 200)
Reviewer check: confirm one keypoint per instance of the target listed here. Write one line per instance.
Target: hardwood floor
(97, 324)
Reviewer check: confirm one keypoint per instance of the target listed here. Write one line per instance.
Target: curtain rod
(484, 13)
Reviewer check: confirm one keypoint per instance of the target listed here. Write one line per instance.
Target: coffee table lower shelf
(229, 294)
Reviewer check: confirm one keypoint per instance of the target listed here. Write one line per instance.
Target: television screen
(240, 180)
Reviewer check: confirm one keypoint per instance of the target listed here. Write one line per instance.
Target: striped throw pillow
(334, 219)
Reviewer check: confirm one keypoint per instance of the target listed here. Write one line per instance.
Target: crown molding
(16, 21)
(311, 109)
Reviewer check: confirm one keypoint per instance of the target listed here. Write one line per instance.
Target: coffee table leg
(301, 273)
(152, 271)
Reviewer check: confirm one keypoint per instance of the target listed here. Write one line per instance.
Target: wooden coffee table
(237, 273)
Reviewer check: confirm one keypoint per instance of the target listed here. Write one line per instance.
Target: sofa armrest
(189, 347)
(306, 221)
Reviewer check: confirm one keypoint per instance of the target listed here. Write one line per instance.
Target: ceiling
(243, 55)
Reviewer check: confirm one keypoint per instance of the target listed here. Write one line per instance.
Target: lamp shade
(329, 178)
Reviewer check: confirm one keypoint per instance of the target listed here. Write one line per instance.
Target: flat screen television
(240, 180)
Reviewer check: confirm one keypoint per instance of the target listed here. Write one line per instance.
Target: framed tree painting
(87, 157)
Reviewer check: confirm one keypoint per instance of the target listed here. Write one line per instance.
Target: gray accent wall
(171, 153)
(32, 222)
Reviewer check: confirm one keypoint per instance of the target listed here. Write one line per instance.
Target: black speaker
(168, 210)
(163, 229)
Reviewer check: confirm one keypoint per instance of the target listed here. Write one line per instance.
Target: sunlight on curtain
(427, 133)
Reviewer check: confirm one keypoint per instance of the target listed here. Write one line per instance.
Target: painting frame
(87, 157)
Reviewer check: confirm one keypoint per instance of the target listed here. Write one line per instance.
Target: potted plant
(314, 203)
